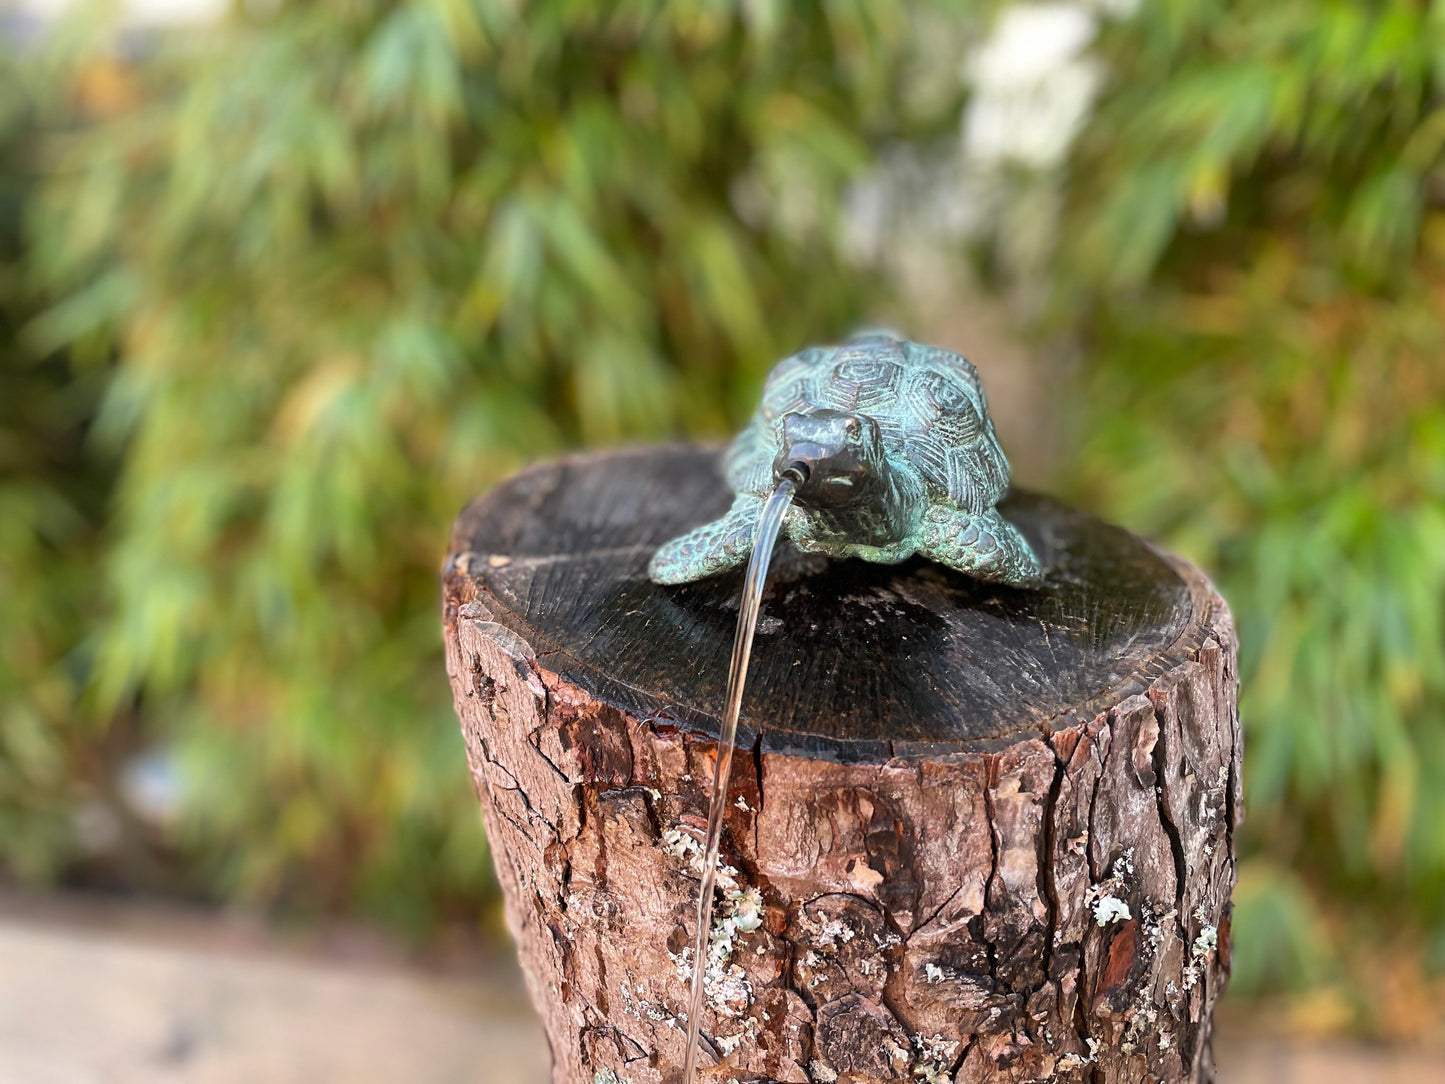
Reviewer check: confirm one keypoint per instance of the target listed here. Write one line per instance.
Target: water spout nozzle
(796, 472)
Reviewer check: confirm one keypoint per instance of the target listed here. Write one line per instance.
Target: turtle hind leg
(983, 544)
(712, 548)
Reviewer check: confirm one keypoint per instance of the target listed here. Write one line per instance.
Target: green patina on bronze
(893, 453)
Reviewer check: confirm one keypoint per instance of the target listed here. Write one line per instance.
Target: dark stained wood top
(852, 660)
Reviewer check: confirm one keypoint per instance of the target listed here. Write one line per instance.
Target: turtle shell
(928, 403)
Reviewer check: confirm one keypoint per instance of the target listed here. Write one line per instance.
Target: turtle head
(830, 455)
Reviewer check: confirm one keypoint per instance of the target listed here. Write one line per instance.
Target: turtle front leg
(984, 545)
(712, 548)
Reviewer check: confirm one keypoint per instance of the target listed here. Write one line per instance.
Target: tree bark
(974, 834)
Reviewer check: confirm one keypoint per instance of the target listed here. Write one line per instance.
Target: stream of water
(769, 523)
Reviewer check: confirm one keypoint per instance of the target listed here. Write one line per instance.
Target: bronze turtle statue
(892, 453)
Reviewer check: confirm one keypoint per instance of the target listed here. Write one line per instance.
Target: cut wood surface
(983, 833)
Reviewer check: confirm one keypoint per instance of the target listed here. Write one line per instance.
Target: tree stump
(973, 834)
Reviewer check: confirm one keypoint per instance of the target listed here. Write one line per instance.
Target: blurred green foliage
(1254, 254)
(51, 496)
(334, 270)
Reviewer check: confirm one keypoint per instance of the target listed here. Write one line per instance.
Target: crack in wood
(1048, 888)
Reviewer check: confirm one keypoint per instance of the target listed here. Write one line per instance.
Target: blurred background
(284, 284)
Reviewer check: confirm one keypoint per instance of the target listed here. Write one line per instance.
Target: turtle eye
(852, 427)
